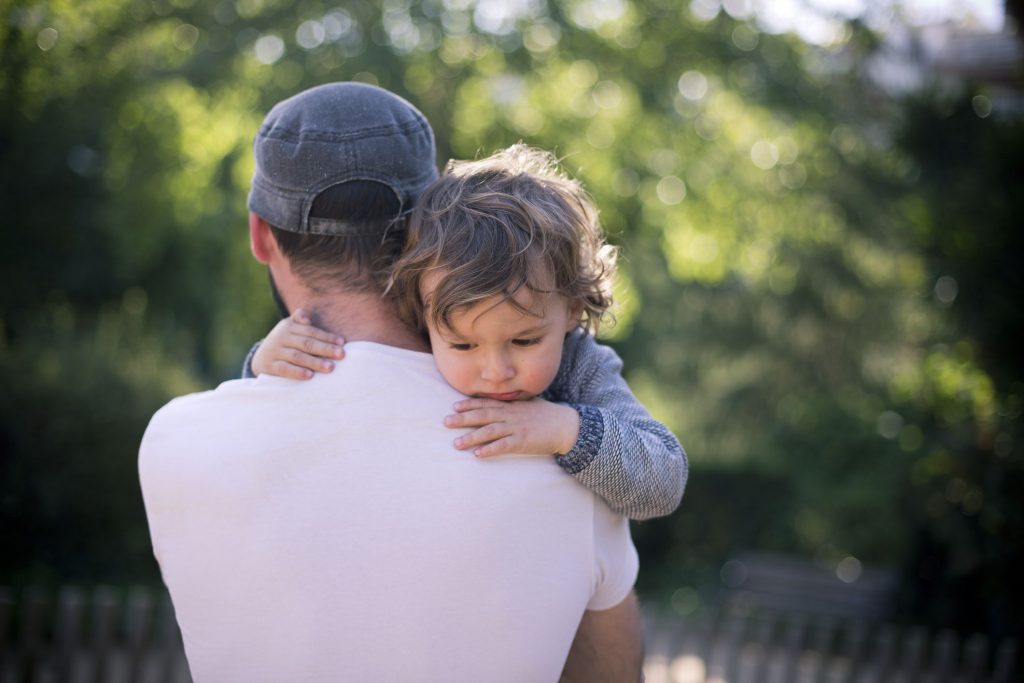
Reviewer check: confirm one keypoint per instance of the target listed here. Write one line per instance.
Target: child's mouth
(507, 396)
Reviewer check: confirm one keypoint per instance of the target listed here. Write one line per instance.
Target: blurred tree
(968, 395)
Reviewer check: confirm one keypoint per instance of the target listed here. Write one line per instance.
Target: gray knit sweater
(622, 453)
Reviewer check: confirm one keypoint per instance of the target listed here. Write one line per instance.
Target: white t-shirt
(327, 530)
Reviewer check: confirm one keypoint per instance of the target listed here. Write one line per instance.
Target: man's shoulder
(182, 407)
(181, 423)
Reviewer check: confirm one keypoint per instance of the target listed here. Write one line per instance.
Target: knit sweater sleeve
(247, 372)
(622, 453)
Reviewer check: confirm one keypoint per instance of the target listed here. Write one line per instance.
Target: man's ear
(260, 239)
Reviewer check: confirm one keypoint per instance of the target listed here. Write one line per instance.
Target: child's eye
(459, 347)
(526, 342)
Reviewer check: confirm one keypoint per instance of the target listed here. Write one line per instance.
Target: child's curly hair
(496, 225)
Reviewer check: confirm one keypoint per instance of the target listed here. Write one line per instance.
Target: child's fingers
(323, 348)
(475, 403)
(304, 360)
(285, 369)
(475, 418)
(318, 334)
(500, 447)
(484, 435)
(314, 332)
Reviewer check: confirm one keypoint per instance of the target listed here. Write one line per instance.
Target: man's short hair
(359, 262)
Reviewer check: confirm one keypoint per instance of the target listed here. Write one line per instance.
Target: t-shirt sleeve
(616, 563)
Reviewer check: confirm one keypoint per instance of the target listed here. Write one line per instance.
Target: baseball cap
(331, 134)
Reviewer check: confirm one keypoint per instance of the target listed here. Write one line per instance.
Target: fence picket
(168, 643)
(792, 644)
(755, 653)
(814, 660)
(944, 657)
(853, 644)
(839, 669)
(1006, 658)
(690, 666)
(7, 647)
(732, 637)
(659, 636)
(975, 658)
(913, 653)
(879, 660)
(68, 631)
(104, 616)
(138, 620)
(33, 618)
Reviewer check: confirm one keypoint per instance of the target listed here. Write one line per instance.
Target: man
(328, 530)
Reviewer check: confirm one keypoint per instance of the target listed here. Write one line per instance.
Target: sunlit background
(817, 201)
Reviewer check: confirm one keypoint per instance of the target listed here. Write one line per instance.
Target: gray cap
(332, 134)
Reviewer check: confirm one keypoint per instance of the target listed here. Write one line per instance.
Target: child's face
(494, 350)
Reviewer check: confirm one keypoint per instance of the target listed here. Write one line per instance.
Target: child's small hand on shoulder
(532, 427)
(296, 349)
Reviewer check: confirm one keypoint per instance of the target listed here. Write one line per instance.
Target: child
(505, 269)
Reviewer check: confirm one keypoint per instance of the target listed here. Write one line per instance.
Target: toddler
(506, 270)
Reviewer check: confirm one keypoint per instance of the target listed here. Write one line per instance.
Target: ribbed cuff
(587, 443)
(247, 372)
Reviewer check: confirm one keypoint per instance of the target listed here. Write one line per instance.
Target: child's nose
(498, 369)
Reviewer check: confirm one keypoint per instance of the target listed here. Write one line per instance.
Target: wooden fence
(110, 635)
(784, 619)
(781, 647)
(105, 635)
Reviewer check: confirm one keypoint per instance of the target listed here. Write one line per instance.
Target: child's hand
(533, 427)
(295, 349)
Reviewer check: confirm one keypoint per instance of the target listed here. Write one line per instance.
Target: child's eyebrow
(525, 332)
(447, 333)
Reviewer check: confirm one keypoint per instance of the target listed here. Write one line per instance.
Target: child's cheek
(457, 374)
(544, 371)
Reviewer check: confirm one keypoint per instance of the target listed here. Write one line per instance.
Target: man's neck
(361, 317)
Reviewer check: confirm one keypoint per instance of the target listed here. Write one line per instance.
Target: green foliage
(81, 393)
(786, 229)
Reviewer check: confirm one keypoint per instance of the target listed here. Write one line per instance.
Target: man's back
(328, 530)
